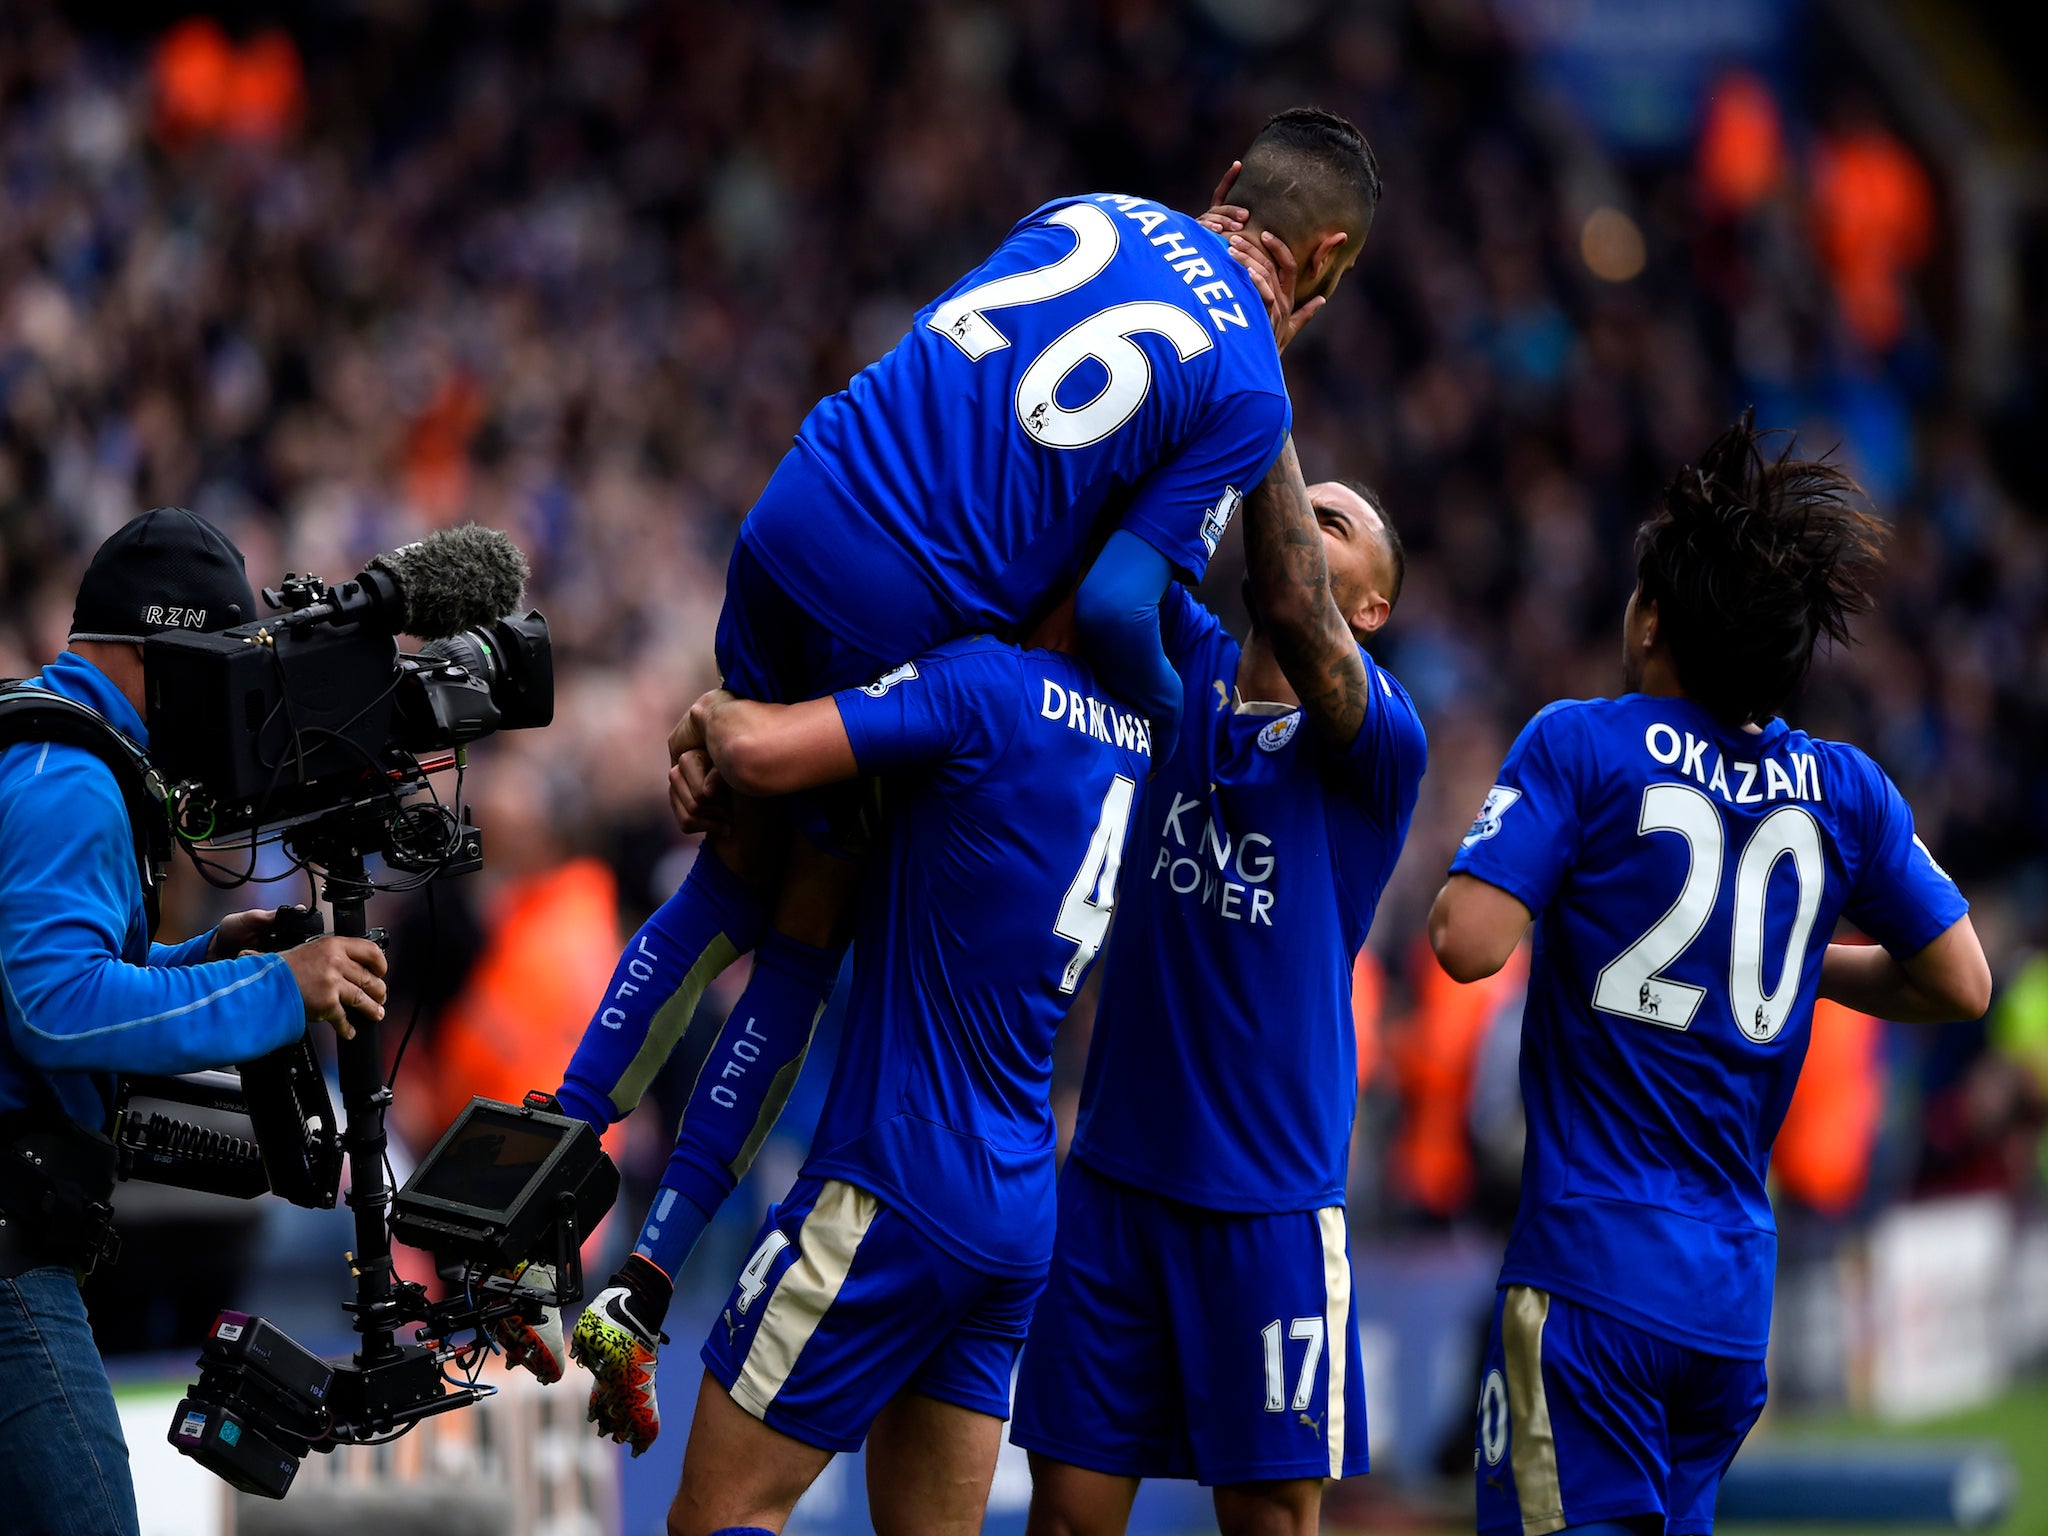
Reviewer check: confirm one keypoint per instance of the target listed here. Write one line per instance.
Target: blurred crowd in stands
(577, 271)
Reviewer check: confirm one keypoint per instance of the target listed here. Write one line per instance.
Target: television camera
(313, 730)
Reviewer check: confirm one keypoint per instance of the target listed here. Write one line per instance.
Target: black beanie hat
(167, 569)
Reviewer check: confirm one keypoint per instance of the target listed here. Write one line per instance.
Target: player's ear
(1372, 611)
(1646, 621)
(1322, 255)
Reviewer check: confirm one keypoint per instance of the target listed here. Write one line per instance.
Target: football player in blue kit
(1198, 1320)
(890, 1289)
(1105, 381)
(1685, 855)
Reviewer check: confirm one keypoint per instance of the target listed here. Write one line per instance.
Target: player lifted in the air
(1096, 397)
(1198, 1320)
(1686, 855)
(891, 1288)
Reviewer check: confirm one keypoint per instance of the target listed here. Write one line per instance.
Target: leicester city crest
(1279, 732)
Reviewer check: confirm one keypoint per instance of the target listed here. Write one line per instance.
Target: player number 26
(1633, 982)
(1105, 336)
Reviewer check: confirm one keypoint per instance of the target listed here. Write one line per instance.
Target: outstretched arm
(1289, 572)
(1116, 614)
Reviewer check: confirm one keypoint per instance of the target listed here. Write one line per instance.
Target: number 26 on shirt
(1104, 336)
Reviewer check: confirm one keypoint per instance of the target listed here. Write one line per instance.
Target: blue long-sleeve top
(84, 993)
(1116, 612)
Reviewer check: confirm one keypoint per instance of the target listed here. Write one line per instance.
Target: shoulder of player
(1390, 694)
(972, 662)
(1567, 734)
(1385, 683)
(1562, 719)
(1188, 623)
(972, 647)
(1848, 773)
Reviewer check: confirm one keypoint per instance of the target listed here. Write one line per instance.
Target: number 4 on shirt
(1084, 913)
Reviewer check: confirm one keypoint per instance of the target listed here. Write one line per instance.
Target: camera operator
(85, 994)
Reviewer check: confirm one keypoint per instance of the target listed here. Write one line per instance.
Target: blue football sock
(739, 1093)
(710, 922)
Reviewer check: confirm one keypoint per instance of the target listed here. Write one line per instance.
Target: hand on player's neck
(1252, 231)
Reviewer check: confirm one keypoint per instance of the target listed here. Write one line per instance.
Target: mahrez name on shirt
(1184, 259)
(1091, 717)
(1739, 783)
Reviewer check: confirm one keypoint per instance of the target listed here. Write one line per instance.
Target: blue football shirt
(1223, 1071)
(1013, 780)
(1686, 878)
(1109, 366)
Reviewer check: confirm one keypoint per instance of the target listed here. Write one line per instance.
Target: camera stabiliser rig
(314, 731)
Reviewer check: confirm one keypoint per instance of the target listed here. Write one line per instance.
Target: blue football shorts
(1584, 1418)
(1174, 1341)
(837, 621)
(844, 1304)
(774, 648)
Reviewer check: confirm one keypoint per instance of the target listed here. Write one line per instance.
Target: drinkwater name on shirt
(1092, 717)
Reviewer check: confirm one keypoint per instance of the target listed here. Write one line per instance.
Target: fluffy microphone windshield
(456, 579)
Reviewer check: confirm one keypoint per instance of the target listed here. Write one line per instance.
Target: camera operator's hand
(240, 933)
(337, 976)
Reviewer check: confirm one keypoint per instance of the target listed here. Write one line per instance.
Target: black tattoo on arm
(1290, 587)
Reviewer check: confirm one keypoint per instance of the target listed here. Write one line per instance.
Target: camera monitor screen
(492, 1159)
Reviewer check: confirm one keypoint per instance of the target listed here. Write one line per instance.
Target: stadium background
(339, 273)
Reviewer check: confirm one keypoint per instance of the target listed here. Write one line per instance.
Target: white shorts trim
(826, 1244)
(1336, 1319)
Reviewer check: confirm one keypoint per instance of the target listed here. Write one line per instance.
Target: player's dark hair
(1397, 552)
(1750, 560)
(1308, 169)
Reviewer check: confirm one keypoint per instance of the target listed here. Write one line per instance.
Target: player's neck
(1659, 676)
(1660, 681)
(1259, 678)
